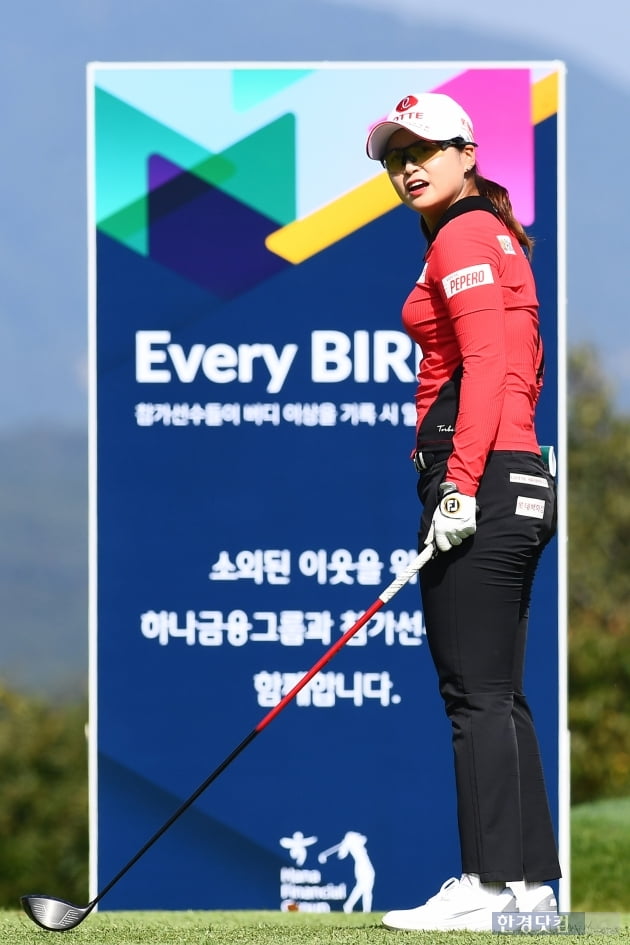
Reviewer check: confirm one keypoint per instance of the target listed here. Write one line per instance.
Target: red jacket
(474, 313)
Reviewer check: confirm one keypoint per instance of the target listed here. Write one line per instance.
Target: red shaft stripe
(328, 655)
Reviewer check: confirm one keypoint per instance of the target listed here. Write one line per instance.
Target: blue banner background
(171, 498)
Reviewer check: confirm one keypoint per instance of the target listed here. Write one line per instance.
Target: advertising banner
(252, 418)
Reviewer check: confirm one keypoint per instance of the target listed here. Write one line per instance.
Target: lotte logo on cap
(406, 103)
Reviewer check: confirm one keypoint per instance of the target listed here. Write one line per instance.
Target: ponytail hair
(500, 200)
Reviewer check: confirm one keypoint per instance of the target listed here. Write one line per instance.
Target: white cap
(428, 115)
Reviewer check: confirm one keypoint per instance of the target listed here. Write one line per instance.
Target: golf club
(59, 915)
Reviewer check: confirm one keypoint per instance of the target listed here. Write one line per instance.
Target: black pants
(475, 600)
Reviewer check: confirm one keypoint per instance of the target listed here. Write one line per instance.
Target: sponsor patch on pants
(529, 480)
(534, 508)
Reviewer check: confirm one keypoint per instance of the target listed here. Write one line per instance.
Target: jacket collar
(465, 205)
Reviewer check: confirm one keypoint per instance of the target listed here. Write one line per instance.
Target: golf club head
(55, 915)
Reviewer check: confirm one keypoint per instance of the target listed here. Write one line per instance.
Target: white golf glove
(454, 519)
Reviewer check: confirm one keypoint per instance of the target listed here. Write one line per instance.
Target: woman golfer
(489, 503)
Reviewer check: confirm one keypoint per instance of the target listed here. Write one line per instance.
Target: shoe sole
(483, 923)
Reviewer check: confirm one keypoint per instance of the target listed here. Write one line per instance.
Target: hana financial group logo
(306, 889)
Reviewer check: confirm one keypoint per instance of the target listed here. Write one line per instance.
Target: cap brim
(378, 137)
(376, 145)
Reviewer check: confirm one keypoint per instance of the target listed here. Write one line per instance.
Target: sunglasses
(397, 159)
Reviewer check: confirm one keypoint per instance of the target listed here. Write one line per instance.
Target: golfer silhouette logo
(297, 846)
(353, 843)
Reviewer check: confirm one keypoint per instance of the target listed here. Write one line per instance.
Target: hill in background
(44, 561)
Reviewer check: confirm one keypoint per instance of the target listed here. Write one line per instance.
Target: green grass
(261, 928)
(600, 856)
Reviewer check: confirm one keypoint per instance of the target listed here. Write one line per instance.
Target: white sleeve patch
(506, 245)
(467, 278)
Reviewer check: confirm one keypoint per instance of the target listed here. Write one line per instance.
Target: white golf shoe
(540, 899)
(460, 904)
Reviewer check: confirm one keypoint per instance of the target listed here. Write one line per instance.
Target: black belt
(423, 460)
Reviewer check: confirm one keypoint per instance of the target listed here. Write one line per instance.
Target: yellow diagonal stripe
(545, 98)
(303, 238)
